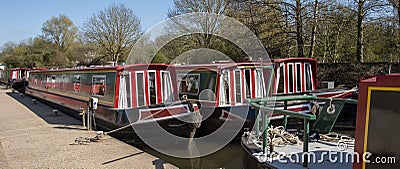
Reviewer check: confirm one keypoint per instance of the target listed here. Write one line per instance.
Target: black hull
(215, 117)
(248, 160)
(108, 119)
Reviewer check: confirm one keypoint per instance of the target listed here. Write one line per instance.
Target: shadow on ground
(42, 110)
(64, 121)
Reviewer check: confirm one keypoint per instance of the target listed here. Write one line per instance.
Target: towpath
(31, 136)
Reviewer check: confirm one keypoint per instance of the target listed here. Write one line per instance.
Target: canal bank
(32, 136)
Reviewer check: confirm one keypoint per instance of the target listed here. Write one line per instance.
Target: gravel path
(31, 136)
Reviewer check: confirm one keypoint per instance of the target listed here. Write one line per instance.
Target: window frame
(240, 85)
(299, 73)
(260, 83)
(155, 86)
(223, 101)
(169, 87)
(311, 76)
(143, 88)
(74, 81)
(105, 85)
(186, 75)
(290, 89)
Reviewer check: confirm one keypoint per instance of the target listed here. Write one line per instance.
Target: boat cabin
(295, 75)
(227, 84)
(118, 87)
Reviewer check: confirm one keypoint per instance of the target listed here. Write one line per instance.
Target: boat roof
(116, 68)
(222, 65)
(299, 59)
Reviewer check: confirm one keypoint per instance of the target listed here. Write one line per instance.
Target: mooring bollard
(55, 111)
(34, 101)
(83, 116)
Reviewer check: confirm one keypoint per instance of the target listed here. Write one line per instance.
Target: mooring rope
(82, 140)
(334, 137)
(280, 137)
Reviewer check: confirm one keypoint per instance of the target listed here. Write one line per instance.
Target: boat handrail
(262, 106)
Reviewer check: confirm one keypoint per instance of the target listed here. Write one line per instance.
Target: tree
(314, 28)
(265, 22)
(114, 30)
(295, 13)
(396, 5)
(209, 25)
(60, 31)
(366, 8)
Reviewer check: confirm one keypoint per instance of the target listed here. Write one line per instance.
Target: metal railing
(263, 105)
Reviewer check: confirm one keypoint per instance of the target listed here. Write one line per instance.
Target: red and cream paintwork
(233, 83)
(135, 93)
(299, 76)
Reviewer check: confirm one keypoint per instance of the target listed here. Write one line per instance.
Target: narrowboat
(373, 145)
(139, 94)
(15, 78)
(225, 86)
(221, 89)
(311, 146)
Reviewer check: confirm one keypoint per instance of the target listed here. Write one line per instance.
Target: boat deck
(325, 155)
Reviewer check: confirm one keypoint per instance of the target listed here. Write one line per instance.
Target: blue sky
(21, 19)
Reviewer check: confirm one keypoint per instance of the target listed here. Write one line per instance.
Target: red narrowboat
(137, 94)
(223, 88)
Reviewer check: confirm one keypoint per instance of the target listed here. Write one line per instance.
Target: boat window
(41, 81)
(281, 78)
(260, 89)
(77, 83)
(99, 85)
(190, 84)
(248, 86)
(63, 80)
(47, 84)
(140, 89)
(238, 86)
(152, 87)
(53, 81)
(299, 78)
(290, 78)
(35, 81)
(224, 85)
(128, 90)
(166, 87)
(308, 77)
(14, 74)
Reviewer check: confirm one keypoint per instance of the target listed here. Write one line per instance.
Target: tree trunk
(314, 29)
(360, 31)
(398, 34)
(299, 30)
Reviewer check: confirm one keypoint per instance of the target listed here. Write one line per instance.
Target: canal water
(228, 157)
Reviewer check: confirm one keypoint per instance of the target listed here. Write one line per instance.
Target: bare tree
(60, 31)
(209, 25)
(314, 28)
(366, 8)
(295, 12)
(114, 30)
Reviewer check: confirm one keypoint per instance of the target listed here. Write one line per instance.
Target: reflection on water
(228, 157)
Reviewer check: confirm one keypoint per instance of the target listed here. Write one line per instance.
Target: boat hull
(109, 118)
